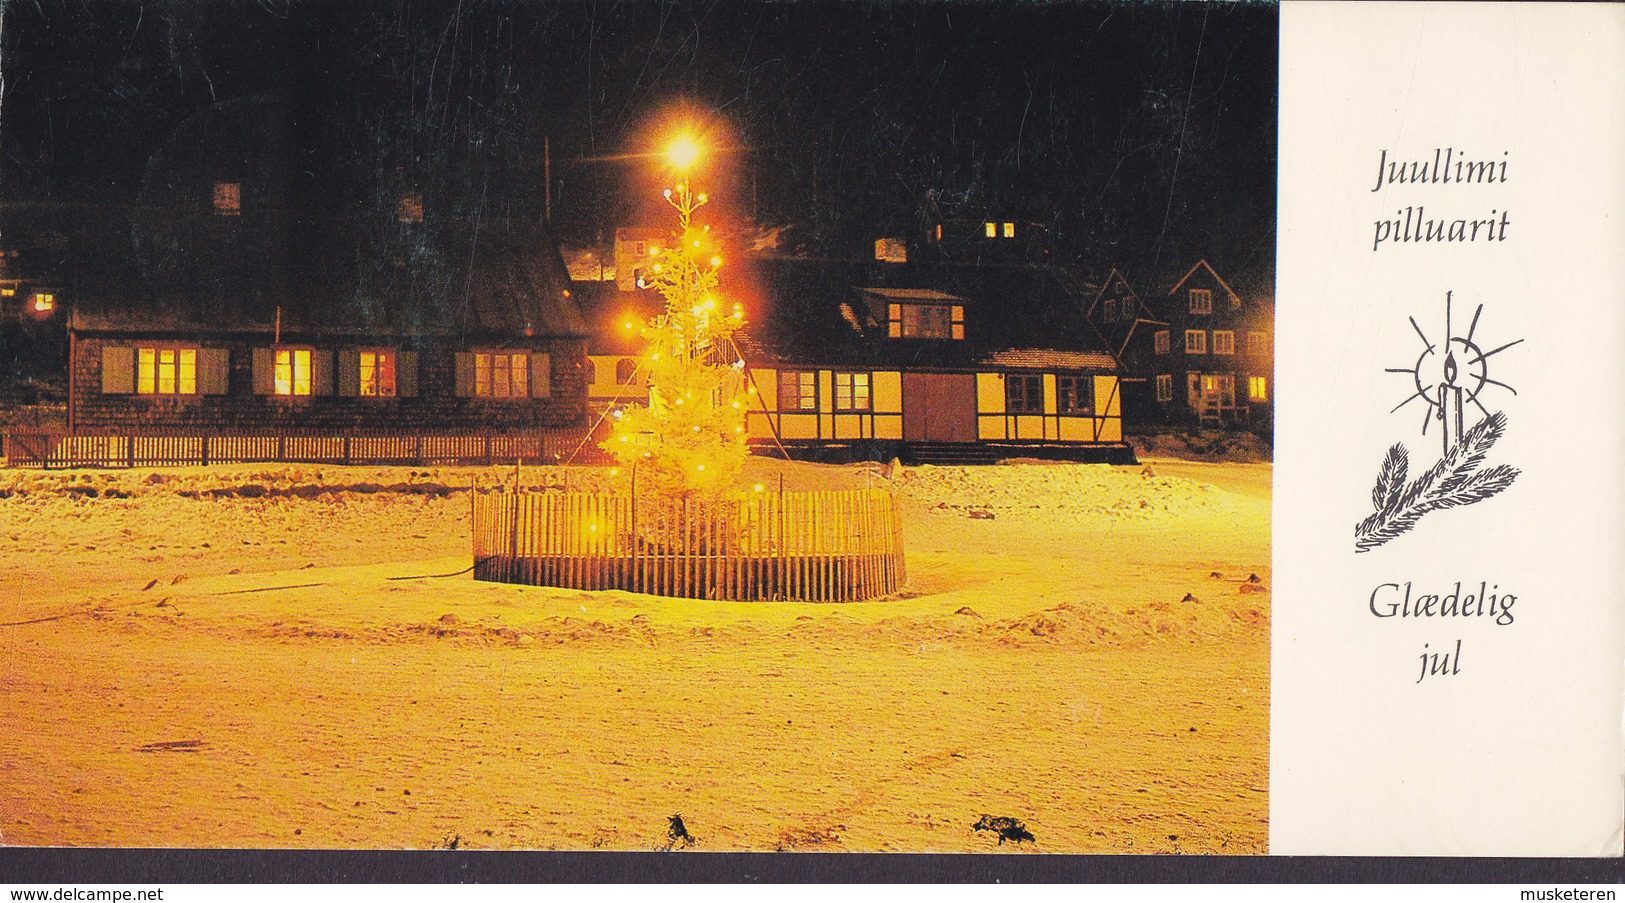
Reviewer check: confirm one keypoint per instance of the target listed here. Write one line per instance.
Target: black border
(24, 865)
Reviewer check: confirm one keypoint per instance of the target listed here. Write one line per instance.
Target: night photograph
(637, 426)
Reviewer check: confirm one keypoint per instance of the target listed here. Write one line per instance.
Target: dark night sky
(1144, 134)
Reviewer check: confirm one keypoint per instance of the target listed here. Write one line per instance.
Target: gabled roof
(913, 294)
(833, 313)
(1128, 337)
(467, 280)
(1105, 285)
(1201, 265)
(314, 242)
(1047, 359)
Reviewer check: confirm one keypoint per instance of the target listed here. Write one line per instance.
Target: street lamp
(683, 152)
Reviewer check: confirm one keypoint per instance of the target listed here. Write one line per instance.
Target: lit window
(1257, 343)
(1024, 394)
(927, 321)
(1257, 389)
(378, 374)
(44, 302)
(625, 370)
(1161, 343)
(992, 229)
(1009, 230)
(1073, 395)
(1201, 301)
(1224, 341)
(1165, 387)
(228, 198)
(798, 390)
(166, 371)
(939, 232)
(1220, 387)
(1110, 312)
(502, 374)
(8, 291)
(292, 375)
(851, 391)
(1195, 341)
(639, 248)
(409, 207)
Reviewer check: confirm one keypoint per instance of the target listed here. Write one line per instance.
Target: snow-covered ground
(295, 656)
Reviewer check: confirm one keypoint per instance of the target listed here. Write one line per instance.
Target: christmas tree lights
(689, 439)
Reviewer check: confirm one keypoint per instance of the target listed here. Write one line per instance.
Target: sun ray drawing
(1448, 376)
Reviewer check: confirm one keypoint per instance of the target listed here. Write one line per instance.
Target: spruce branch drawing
(1454, 481)
(1449, 376)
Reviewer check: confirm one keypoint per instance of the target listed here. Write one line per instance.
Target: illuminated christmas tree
(688, 440)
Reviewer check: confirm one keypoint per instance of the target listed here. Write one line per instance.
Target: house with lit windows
(926, 361)
(1208, 353)
(259, 294)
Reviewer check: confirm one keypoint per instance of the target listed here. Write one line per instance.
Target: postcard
(812, 427)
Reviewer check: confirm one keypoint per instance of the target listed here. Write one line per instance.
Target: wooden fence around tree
(805, 546)
(553, 446)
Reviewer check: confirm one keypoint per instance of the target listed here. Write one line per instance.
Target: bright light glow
(683, 152)
(703, 199)
(757, 487)
(627, 324)
(716, 261)
(699, 467)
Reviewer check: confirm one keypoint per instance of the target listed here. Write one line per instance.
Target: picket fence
(836, 546)
(554, 446)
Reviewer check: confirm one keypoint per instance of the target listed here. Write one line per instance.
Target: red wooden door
(939, 407)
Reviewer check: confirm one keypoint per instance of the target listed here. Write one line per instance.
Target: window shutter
(349, 373)
(213, 371)
(264, 371)
(465, 374)
(118, 370)
(541, 375)
(321, 373)
(406, 374)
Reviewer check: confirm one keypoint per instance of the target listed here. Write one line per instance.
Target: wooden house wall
(1103, 424)
(435, 406)
(1183, 367)
(885, 420)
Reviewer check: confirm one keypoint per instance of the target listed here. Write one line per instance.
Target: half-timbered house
(931, 361)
